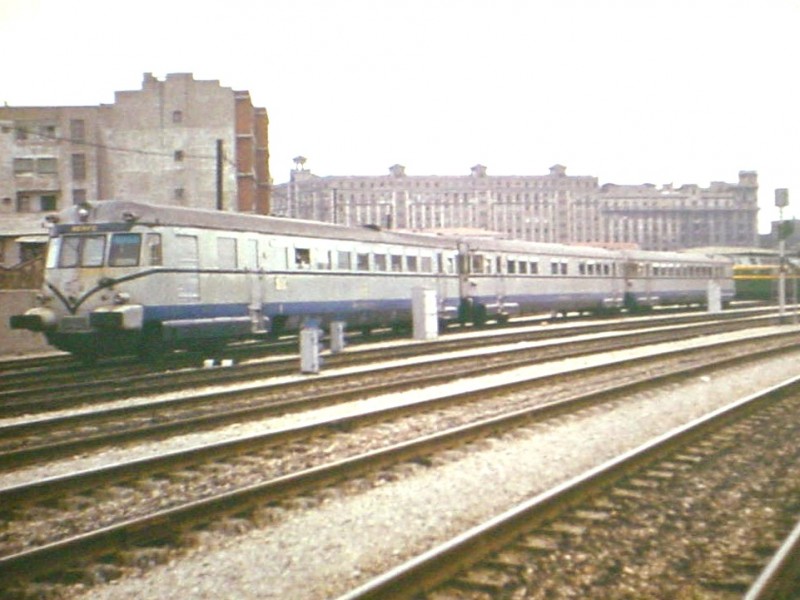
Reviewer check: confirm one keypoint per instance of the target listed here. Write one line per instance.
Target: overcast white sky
(630, 91)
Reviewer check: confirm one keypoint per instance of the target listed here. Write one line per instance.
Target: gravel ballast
(346, 538)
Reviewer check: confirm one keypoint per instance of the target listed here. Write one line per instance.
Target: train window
(362, 261)
(343, 260)
(396, 263)
(153, 245)
(411, 264)
(70, 251)
(427, 264)
(511, 267)
(124, 250)
(380, 262)
(558, 268)
(86, 251)
(323, 259)
(534, 267)
(302, 258)
(477, 263)
(523, 267)
(226, 253)
(581, 268)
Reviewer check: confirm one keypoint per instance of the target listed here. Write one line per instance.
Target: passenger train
(129, 278)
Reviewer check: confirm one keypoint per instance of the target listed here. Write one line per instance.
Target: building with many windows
(556, 207)
(176, 141)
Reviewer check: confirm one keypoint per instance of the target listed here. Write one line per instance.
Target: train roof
(522, 246)
(690, 257)
(118, 211)
(109, 211)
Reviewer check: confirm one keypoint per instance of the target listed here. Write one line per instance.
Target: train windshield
(89, 250)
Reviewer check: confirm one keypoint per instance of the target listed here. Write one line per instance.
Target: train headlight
(121, 298)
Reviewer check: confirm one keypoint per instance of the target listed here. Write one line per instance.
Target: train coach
(126, 278)
(515, 277)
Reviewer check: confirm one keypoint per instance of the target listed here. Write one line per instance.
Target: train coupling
(118, 317)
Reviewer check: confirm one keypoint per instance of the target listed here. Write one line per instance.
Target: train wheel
(87, 358)
(479, 317)
(151, 348)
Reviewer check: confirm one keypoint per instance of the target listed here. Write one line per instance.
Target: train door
(617, 283)
(630, 277)
(500, 287)
(188, 259)
(255, 284)
(465, 285)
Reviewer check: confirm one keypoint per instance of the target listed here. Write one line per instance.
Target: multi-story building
(667, 218)
(523, 207)
(547, 208)
(178, 141)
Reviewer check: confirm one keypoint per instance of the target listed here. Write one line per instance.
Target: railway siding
(390, 478)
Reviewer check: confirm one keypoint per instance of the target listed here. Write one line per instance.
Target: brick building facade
(176, 141)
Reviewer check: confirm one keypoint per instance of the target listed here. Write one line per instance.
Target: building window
(78, 167)
(23, 165)
(48, 202)
(23, 203)
(177, 116)
(78, 196)
(46, 166)
(179, 193)
(21, 133)
(77, 130)
(178, 155)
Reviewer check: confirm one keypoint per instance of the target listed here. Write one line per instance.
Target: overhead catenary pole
(781, 201)
(219, 174)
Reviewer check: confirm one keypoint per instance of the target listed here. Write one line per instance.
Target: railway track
(22, 372)
(50, 392)
(691, 514)
(36, 440)
(299, 466)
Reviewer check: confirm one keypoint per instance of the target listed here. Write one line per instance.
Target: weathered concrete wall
(12, 341)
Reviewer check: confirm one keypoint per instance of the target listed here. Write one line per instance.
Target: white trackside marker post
(425, 314)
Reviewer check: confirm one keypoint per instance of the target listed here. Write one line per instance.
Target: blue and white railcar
(505, 278)
(664, 278)
(126, 277)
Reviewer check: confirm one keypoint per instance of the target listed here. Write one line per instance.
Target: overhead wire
(140, 151)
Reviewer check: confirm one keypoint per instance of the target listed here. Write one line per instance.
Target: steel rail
(49, 488)
(46, 396)
(780, 579)
(315, 399)
(443, 562)
(164, 524)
